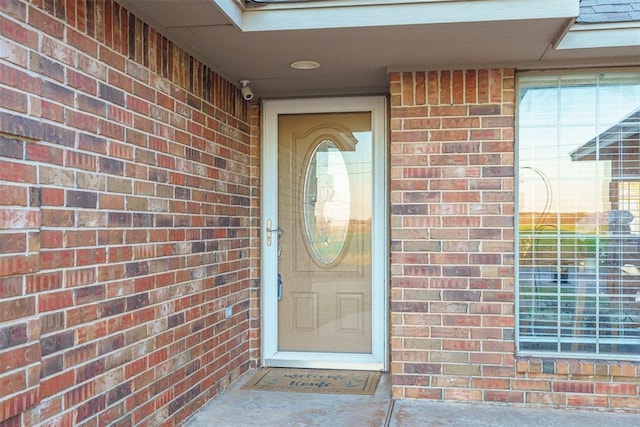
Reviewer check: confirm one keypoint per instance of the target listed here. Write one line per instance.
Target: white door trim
(378, 359)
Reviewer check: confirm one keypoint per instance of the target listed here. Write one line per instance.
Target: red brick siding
(128, 206)
(254, 315)
(452, 232)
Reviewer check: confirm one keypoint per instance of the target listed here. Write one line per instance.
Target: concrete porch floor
(237, 407)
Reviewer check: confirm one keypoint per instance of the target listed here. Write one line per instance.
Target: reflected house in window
(620, 144)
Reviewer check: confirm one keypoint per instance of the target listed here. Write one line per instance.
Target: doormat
(328, 381)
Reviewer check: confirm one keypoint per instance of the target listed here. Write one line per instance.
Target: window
(578, 187)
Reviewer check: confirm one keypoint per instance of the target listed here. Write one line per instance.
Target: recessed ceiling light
(305, 65)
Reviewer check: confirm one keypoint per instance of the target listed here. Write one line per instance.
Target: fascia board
(233, 9)
(355, 14)
(589, 36)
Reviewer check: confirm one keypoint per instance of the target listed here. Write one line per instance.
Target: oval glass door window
(327, 202)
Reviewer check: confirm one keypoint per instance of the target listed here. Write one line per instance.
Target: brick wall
(128, 182)
(452, 231)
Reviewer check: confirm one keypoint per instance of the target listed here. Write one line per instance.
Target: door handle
(270, 230)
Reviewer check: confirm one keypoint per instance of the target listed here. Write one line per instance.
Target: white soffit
(589, 36)
(184, 13)
(358, 41)
(376, 13)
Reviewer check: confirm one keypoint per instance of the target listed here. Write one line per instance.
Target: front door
(324, 233)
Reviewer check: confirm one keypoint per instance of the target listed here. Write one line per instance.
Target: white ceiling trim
(233, 9)
(380, 13)
(589, 36)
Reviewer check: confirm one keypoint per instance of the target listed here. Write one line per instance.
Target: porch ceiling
(355, 57)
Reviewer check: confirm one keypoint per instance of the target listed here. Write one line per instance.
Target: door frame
(378, 359)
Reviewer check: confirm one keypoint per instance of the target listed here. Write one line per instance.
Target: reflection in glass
(327, 203)
(579, 214)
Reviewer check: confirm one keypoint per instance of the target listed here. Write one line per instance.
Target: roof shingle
(603, 11)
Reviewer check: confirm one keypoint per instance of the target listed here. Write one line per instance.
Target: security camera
(246, 91)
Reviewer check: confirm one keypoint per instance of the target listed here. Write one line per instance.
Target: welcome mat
(328, 381)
